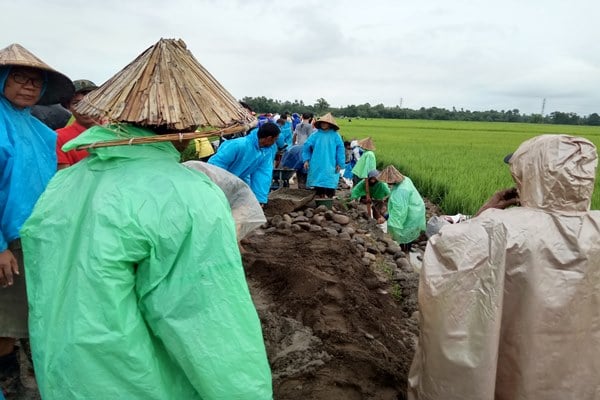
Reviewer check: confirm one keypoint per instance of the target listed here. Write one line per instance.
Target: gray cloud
(467, 54)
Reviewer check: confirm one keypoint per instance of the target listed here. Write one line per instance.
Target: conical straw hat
(390, 175)
(329, 119)
(59, 88)
(366, 144)
(165, 86)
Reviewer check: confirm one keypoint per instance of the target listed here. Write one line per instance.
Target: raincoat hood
(559, 170)
(106, 133)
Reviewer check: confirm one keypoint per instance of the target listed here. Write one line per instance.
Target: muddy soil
(337, 324)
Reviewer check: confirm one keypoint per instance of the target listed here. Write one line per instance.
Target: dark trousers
(327, 192)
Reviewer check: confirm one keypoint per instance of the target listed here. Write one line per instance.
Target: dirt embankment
(336, 297)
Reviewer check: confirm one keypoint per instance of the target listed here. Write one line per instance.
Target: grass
(457, 165)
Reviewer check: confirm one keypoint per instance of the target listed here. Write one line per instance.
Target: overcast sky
(471, 54)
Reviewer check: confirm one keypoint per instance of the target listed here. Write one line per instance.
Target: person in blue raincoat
(251, 159)
(284, 141)
(134, 276)
(324, 157)
(27, 162)
(293, 159)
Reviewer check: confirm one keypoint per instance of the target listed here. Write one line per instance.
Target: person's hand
(338, 168)
(501, 200)
(8, 267)
(381, 220)
(306, 165)
(368, 200)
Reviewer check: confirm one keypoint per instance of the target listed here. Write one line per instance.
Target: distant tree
(321, 106)
(593, 119)
(563, 118)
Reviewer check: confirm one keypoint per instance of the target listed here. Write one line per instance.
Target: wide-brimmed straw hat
(329, 119)
(366, 144)
(59, 88)
(390, 175)
(165, 86)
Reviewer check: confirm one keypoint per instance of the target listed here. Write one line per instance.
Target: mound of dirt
(336, 297)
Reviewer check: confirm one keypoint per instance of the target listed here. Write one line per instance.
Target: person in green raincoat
(367, 161)
(136, 284)
(406, 209)
(378, 194)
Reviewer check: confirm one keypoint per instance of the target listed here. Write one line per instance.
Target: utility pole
(400, 102)
(543, 107)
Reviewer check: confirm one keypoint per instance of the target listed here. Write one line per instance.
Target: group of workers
(135, 287)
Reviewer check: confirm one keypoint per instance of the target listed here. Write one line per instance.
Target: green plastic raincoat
(406, 211)
(365, 164)
(135, 282)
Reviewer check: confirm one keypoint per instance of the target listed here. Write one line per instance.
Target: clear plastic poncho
(510, 300)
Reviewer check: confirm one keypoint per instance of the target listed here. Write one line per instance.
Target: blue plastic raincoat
(135, 282)
(284, 141)
(324, 150)
(27, 162)
(406, 212)
(253, 164)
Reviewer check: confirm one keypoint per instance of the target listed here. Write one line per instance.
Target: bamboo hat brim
(390, 175)
(366, 144)
(329, 119)
(59, 88)
(165, 86)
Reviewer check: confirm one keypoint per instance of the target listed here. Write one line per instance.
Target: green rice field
(457, 165)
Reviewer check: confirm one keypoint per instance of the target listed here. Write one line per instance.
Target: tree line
(262, 104)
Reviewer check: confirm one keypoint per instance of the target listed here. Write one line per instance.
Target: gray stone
(341, 219)
(393, 249)
(271, 229)
(315, 228)
(321, 209)
(372, 249)
(296, 228)
(330, 231)
(287, 218)
(345, 236)
(276, 220)
(370, 256)
(300, 218)
(366, 261)
(403, 263)
(318, 219)
(284, 225)
(349, 230)
(304, 225)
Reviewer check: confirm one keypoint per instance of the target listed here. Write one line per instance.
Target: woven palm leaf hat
(59, 88)
(165, 86)
(329, 119)
(390, 175)
(366, 144)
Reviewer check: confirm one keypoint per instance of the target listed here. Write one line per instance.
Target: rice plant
(457, 165)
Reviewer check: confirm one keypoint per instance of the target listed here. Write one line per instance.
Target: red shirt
(64, 135)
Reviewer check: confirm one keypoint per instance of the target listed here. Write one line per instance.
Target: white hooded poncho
(510, 301)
